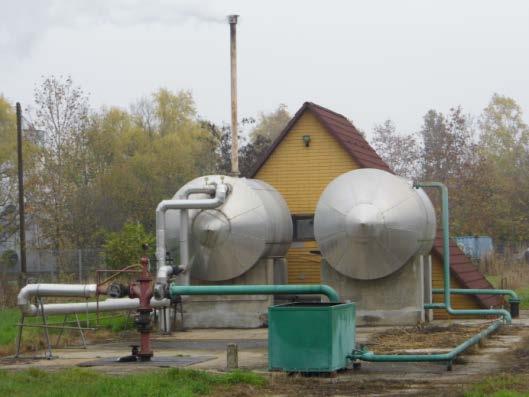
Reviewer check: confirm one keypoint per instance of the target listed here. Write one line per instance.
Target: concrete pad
(252, 344)
(160, 362)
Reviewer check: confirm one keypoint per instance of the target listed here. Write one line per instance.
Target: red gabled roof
(466, 272)
(341, 129)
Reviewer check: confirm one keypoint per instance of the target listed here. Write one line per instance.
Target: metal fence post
(80, 265)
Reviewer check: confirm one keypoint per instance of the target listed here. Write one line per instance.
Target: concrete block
(397, 299)
(232, 356)
(237, 311)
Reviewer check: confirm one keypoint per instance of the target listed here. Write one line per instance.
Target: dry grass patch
(397, 340)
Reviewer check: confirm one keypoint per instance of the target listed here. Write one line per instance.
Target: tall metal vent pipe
(232, 20)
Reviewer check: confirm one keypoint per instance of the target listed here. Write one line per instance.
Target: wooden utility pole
(21, 213)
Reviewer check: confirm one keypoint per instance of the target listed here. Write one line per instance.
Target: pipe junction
(183, 204)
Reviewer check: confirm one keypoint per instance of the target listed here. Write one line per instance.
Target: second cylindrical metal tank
(369, 223)
(253, 223)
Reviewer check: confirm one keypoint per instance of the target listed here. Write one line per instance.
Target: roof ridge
(338, 126)
(310, 104)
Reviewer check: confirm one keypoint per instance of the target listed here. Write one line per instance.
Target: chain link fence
(73, 265)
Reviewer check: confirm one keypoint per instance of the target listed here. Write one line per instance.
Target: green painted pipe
(299, 289)
(514, 300)
(446, 262)
(434, 305)
(478, 291)
(445, 357)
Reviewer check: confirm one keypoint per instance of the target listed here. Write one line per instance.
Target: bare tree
(144, 115)
(448, 144)
(62, 113)
(401, 152)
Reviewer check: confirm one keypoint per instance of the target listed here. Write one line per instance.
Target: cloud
(24, 22)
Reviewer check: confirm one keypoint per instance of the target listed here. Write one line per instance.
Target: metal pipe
(184, 239)
(446, 262)
(53, 290)
(514, 300)
(232, 20)
(446, 357)
(108, 305)
(200, 190)
(164, 272)
(477, 291)
(184, 228)
(143, 312)
(32, 290)
(182, 204)
(300, 289)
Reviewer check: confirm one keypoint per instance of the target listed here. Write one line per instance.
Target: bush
(124, 248)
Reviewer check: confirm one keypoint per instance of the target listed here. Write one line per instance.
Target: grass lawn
(503, 385)
(33, 336)
(523, 292)
(83, 382)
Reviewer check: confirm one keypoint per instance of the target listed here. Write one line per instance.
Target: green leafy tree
(249, 152)
(504, 134)
(174, 111)
(125, 248)
(262, 133)
(145, 156)
(269, 125)
(447, 144)
(7, 169)
(504, 145)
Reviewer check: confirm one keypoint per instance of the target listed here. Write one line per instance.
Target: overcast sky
(369, 60)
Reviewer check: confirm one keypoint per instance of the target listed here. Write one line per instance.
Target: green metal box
(310, 337)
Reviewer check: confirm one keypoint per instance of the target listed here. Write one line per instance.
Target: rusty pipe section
(142, 289)
(183, 204)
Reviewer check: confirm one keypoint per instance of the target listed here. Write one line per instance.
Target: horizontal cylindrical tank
(369, 223)
(254, 222)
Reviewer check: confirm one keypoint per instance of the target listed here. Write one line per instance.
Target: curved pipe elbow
(25, 294)
(221, 192)
(163, 274)
(330, 293)
(162, 277)
(199, 190)
(29, 309)
(24, 297)
(52, 290)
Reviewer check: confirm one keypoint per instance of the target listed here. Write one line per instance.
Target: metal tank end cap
(364, 222)
(211, 228)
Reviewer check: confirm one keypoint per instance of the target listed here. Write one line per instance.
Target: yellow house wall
(300, 174)
(458, 301)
